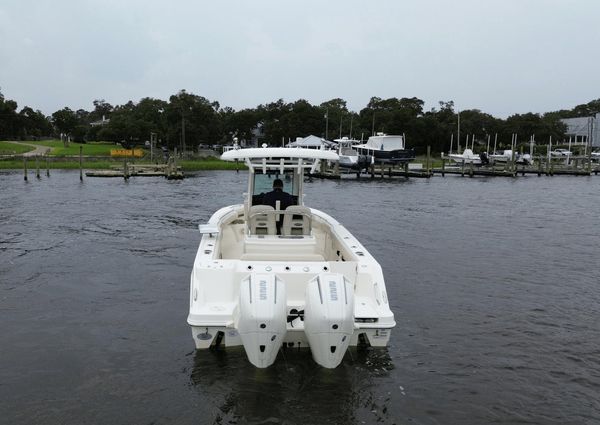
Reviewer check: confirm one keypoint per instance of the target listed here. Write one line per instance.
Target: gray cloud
(502, 57)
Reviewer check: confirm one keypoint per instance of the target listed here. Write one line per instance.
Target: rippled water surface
(495, 284)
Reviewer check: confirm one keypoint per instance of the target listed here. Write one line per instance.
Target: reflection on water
(295, 389)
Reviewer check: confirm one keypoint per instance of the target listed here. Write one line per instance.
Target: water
(494, 283)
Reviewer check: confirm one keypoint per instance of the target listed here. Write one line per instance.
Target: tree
(192, 120)
(33, 124)
(65, 120)
(9, 120)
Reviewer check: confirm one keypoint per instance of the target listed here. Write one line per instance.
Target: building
(103, 121)
(583, 130)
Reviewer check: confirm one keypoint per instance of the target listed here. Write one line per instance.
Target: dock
(541, 166)
(169, 170)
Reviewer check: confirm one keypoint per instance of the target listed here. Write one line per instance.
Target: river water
(495, 285)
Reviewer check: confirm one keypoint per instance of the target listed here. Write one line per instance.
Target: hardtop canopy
(280, 158)
(272, 153)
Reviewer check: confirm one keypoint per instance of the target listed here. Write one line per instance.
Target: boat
(308, 283)
(348, 156)
(503, 157)
(507, 156)
(384, 148)
(468, 157)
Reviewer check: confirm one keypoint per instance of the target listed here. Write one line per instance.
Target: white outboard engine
(262, 319)
(329, 317)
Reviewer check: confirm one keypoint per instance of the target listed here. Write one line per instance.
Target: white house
(584, 130)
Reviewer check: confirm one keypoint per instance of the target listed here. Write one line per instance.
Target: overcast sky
(500, 56)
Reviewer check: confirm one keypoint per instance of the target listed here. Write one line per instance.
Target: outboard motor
(262, 320)
(329, 317)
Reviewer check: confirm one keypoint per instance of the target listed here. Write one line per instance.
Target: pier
(540, 166)
(170, 170)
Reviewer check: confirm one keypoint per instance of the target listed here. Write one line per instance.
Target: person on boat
(277, 194)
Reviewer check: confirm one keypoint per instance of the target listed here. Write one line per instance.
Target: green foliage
(194, 120)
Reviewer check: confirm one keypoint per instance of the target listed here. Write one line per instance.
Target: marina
(540, 166)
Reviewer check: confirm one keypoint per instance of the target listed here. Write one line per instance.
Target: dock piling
(25, 168)
(443, 165)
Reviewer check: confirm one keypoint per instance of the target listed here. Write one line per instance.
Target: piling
(25, 168)
(513, 164)
(81, 163)
(429, 162)
(443, 166)
(37, 167)
(47, 167)
(471, 169)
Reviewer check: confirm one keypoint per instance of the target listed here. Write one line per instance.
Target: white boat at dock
(503, 157)
(349, 157)
(467, 157)
(270, 278)
(387, 149)
(508, 156)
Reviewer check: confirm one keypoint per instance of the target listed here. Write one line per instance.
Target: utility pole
(373, 125)
(458, 132)
(327, 124)
(182, 133)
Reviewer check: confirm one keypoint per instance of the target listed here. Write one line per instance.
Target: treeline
(190, 120)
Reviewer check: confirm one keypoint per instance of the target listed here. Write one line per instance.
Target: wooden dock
(170, 170)
(541, 166)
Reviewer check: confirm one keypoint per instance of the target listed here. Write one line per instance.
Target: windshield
(263, 183)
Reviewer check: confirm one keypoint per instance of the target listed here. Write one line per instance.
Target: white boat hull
(220, 292)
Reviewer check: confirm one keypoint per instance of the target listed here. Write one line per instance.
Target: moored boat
(385, 148)
(468, 157)
(349, 158)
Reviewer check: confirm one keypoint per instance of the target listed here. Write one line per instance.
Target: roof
(310, 142)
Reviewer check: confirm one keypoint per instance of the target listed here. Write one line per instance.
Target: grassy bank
(66, 164)
(62, 165)
(209, 164)
(90, 149)
(14, 148)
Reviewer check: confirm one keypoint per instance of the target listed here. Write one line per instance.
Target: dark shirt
(284, 198)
